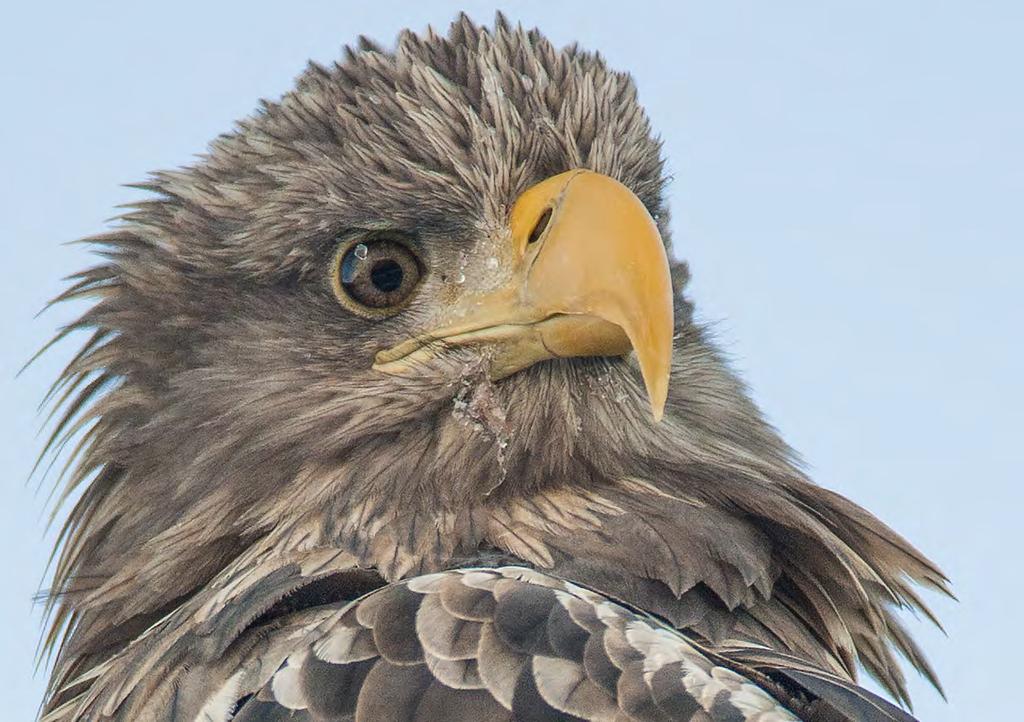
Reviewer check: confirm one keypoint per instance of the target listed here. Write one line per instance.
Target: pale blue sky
(848, 190)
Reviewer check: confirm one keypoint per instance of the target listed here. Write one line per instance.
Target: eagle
(393, 406)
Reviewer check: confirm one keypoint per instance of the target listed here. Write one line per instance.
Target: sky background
(848, 189)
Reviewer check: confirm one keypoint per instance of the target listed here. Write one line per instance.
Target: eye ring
(374, 277)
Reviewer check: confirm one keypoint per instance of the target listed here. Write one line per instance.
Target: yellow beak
(590, 277)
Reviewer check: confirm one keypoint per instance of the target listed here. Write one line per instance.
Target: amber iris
(376, 274)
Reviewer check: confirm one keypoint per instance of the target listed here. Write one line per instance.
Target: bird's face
(396, 256)
(480, 340)
(576, 270)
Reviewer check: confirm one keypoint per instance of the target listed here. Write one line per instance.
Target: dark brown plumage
(247, 472)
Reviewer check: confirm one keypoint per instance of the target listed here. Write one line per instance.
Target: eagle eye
(374, 277)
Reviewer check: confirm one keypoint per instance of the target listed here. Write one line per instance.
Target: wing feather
(511, 643)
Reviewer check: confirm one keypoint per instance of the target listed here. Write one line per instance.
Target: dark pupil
(386, 276)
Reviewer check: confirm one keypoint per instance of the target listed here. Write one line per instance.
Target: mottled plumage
(523, 645)
(247, 473)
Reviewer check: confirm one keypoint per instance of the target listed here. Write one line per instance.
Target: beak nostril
(539, 227)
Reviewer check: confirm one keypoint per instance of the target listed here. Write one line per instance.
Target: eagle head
(423, 309)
